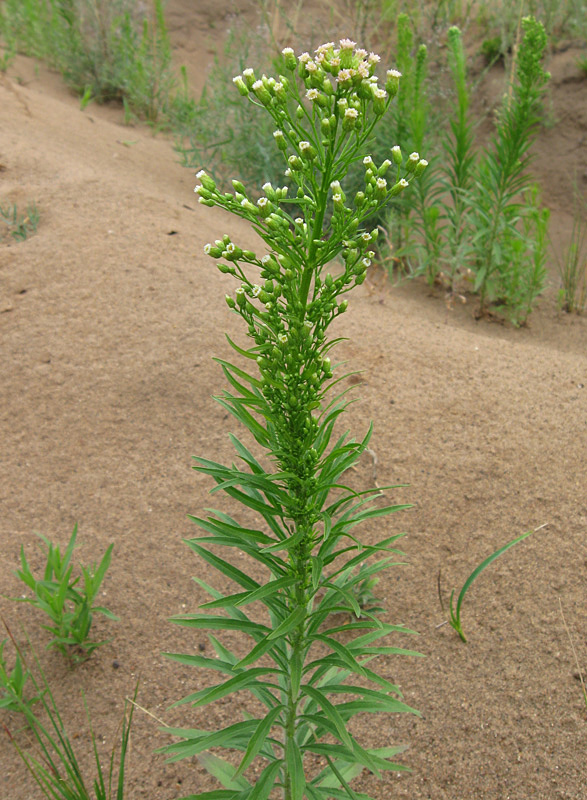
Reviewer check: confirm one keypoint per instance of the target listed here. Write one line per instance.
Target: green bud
(280, 140)
(239, 187)
(420, 167)
(413, 160)
(392, 82)
(343, 306)
(299, 112)
(240, 85)
(224, 268)
(230, 301)
(290, 59)
(396, 154)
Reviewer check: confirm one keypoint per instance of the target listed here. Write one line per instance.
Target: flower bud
(207, 182)
(396, 154)
(239, 187)
(350, 119)
(384, 167)
(398, 187)
(249, 77)
(280, 140)
(420, 167)
(413, 159)
(360, 199)
(230, 301)
(262, 92)
(289, 58)
(379, 101)
(213, 251)
(392, 82)
(343, 306)
(240, 85)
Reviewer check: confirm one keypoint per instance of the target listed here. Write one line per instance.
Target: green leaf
(223, 771)
(330, 712)
(223, 566)
(295, 769)
(259, 738)
(195, 741)
(244, 680)
(266, 781)
(455, 616)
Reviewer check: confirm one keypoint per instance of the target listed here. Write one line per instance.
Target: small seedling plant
(69, 604)
(309, 680)
(51, 759)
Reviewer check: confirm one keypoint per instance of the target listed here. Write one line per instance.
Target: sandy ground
(110, 316)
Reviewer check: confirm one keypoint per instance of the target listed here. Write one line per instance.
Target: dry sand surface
(110, 317)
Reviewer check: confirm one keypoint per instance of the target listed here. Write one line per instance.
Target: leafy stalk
(324, 111)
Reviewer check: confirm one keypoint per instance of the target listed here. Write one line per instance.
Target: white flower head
(373, 58)
(207, 248)
(324, 48)
(201, 174)
(258, 85)
(256, 291)
(312, 94)
(393, 73)
(368, 161)
(345, 75)
(360, 53)
(262, 202)
(351, 113)
(299, 221)
(403, 183)
(287, 51)
(267, 187)
(414, 157)
(282, 338)
(337, 198)
(230, 248)
(381, 183)
(305, 146)
(304, 58)
(380, 94)
(347, 44)
(248, 72)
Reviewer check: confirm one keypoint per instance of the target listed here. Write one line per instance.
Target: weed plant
(54, 763)
(17, 224)
(69, 606)
(13, 683)
(103, 48)
(479, 217)
(572, 267)
(307, 541)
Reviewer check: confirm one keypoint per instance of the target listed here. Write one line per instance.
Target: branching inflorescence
(325, 111)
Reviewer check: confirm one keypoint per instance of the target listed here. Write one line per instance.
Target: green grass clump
(105, 49)
(16, 224)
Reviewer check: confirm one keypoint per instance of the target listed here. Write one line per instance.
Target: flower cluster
(324, 114)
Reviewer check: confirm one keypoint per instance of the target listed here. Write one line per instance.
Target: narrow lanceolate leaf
(223, 771)
(212, 622)
(266, 781)
(223, 566)
(244, 680)
(195, 741)
(258, 738)
(330, 710)
(295, 769)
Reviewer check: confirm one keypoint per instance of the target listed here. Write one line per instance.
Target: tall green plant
(306, 541)
(497, 207)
